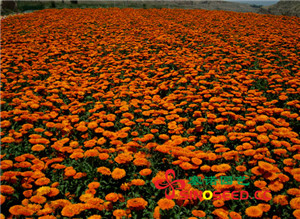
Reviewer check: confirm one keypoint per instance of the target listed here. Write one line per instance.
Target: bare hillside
(289, 8)
(283, 7)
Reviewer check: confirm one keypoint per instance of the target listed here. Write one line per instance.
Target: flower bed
(98, 104)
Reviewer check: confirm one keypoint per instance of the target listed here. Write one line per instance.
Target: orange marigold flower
(145, 172)
(38, 147)
(2, 199)
(186, 166)
(260, 184)
(296, 156)
(221, 213)
(166, 204)
(235, 215)
(265, 166)
(262, 118)
(14, 210)
(104, 171)
(295, 171)
(276, 143)
(263, 139)
(38, 199)
(118, 173)
(218, 203)
(211, 156)
(241, 168)
(39, 129)
(112, 197)
(137, 203)
(94, 185)
(103, 156)
(60, 203)
(90, 143)
(125, 186)
(141, 162)
(79, 175)
(55, 184)
(205, 168)
(295, 203)
(69, 171)
(196, 161)
(214, 140)
(101, 141)
(81, 128)
(156, 213)
(53, 192)
(261, 128)
(5, 123)
(296, 213)
(222, 168)
(281, 199)
(137, 182)
(43, 190)
(6, 164)
(249, 152)
(92, 125)
(85, 197)
(257, 171)
(294, 191)
(21, 210)
(7, 140)
(119, 213)
(254, 211)
(250, 123)
(198, 213)
(264, 207)
(134, 133)
(124, 158)
(27, 126)
(77, 155)
(91, 153)
(71, 210)
(297, 177)
(58, 166)
(275, 186)
(164, 137)
(111, 117)
(6, 189)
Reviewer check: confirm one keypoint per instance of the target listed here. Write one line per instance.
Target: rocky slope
(289, 8)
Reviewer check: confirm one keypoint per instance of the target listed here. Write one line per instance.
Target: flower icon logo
(169, 184)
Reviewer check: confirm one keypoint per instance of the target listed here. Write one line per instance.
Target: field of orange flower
(97, 104)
